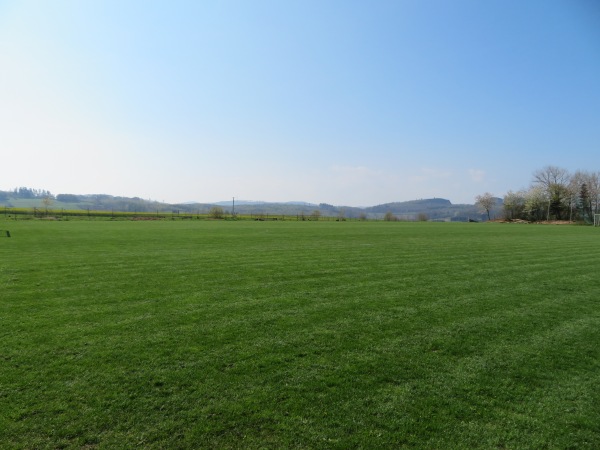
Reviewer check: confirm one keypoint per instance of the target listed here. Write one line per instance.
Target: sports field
(212, 334)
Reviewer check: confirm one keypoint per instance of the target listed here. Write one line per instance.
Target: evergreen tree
(584, 204)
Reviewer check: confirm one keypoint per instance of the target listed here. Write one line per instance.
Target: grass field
(244, 334)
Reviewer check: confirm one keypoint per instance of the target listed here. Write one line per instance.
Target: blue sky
(342, 102)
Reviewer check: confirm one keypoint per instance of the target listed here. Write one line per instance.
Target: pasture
(240, 334)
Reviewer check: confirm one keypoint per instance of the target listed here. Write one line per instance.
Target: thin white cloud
(477, 175)
(427, 174)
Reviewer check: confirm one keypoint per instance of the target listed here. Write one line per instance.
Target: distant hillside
(431, 209)
(255, 202)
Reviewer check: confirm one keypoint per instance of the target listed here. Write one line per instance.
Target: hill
(438, 209)
(433, 208)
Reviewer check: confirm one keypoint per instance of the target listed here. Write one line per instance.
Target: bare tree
(47, 201)
(486, 203)
(555, 181)
(315, 215)
(550, 175)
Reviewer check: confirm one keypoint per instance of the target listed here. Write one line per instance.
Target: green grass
(241, 334)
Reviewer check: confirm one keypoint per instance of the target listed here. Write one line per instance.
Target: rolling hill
(438, 209)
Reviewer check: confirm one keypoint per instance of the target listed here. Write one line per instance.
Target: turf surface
(299, 335)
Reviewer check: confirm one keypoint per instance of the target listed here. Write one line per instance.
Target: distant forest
(424, 209)
(554, 194)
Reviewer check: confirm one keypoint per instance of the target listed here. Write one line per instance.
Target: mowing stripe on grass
(299, 334)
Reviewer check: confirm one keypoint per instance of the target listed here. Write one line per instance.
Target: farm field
(242, 334)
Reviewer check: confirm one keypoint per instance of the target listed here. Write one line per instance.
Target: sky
(353, 103)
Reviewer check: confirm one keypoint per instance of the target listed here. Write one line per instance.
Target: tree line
(24, 192)
(554, 194)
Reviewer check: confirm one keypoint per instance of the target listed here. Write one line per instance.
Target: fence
(11, 213)
(89, 214)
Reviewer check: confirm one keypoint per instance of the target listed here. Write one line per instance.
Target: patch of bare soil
(508, 221)
(556, 222)
(543, 222)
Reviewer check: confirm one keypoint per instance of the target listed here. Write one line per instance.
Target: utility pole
(233, 207)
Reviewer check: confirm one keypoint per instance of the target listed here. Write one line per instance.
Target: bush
(216, 212)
